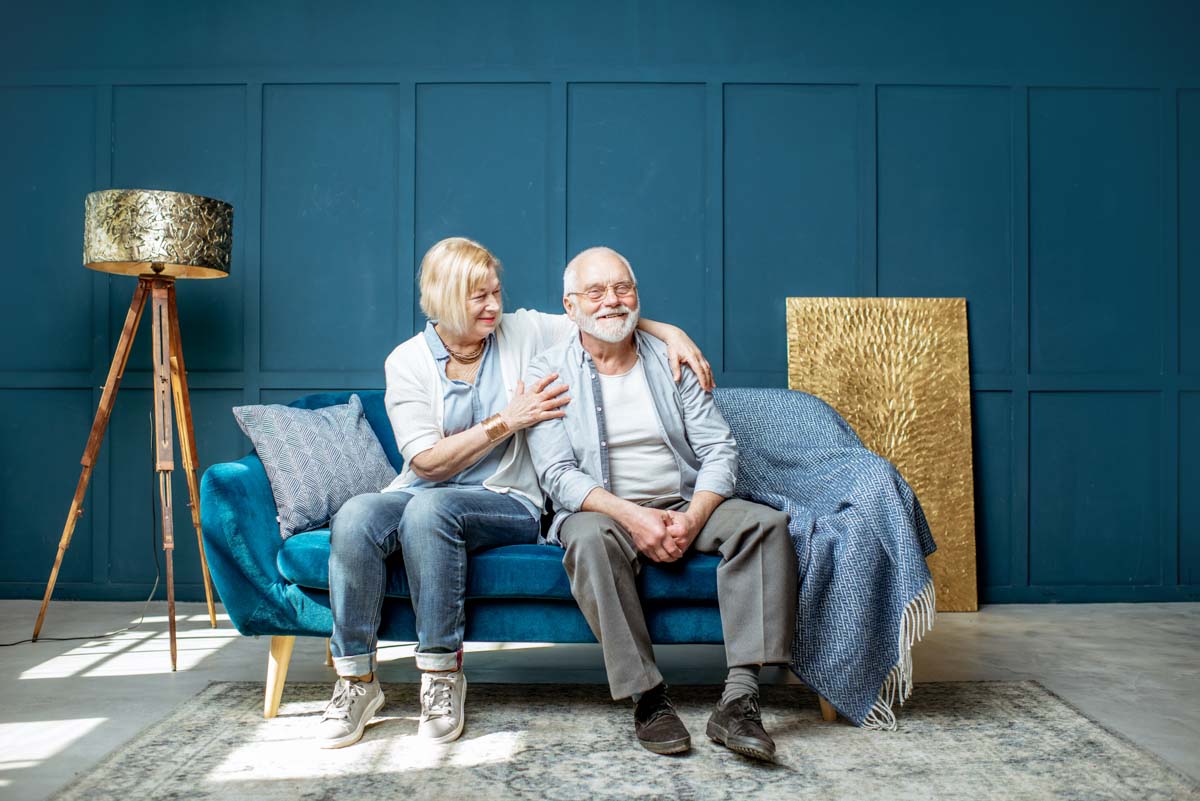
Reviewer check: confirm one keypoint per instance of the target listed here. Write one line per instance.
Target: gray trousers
(756, 588)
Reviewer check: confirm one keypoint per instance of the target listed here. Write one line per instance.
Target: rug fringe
(915, 623)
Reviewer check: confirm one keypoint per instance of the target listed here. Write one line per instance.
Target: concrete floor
(64, 705)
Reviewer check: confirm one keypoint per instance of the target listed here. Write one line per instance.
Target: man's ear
(568, 306)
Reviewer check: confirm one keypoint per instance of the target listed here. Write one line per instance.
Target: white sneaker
(443, 706)
(354, 703)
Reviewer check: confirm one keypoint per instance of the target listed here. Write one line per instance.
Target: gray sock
(741, 680)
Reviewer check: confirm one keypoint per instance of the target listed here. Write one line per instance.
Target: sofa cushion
(316, 460)
(512, 571)
(373, 409)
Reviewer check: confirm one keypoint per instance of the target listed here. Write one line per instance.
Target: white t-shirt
(641, 466)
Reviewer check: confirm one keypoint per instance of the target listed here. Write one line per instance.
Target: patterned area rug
(978, 740)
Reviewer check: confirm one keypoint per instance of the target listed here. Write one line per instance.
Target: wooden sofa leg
(328, 654)
(828, 713)
(277, 667)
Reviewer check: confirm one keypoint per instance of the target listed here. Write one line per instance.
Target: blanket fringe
(916, 621)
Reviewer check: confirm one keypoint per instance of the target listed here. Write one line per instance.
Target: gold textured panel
(897, 370)
(142, 231)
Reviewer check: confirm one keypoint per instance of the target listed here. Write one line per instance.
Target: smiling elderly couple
(497, 413)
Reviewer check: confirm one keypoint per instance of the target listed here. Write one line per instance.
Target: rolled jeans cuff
(359, 665)
(450, 661)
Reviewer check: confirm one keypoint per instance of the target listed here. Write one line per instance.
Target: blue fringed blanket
(861, 540)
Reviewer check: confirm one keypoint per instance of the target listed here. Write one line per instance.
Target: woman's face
(484, 307)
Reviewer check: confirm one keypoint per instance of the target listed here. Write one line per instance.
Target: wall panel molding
(330, 155)
(636, 180)
(49, 162)
(1095, 215)
(494, 188)
(945, 205)
(791, 211)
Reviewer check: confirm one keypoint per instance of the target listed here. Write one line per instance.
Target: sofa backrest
(748, 410)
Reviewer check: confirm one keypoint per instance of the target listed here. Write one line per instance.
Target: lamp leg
(163, 447)
(187, 442)
(168, 514)
(115, 371)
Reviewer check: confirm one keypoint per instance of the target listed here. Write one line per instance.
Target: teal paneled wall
(482, 166)
(1040, 159)
(781, 143)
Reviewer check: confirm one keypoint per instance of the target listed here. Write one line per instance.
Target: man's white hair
(570, 275)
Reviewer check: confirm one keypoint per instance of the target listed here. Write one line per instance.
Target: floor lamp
(158, 237)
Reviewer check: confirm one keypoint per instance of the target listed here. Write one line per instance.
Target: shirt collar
(435, 342)
(437, 346)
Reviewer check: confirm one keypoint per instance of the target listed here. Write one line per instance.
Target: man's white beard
(614, 330)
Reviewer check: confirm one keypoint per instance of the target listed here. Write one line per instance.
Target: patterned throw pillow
(316, 459)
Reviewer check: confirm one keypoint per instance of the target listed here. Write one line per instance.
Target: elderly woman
(458, 410)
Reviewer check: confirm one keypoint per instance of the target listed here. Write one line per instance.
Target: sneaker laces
(665, 709)
(750, 704)
(344, 692)
(662, 707)
(437, 696)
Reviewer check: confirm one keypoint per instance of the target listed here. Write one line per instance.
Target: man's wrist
(701, 511)
(627, 512)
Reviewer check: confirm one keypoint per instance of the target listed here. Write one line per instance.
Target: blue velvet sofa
(518, 593)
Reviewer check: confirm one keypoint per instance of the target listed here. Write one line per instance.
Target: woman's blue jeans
(434, 530)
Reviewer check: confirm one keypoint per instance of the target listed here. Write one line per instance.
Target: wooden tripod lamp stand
(158, 237)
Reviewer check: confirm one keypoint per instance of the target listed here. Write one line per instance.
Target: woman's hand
(540, 402)
(682, 350)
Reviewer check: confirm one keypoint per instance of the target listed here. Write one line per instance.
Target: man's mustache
(601, 314)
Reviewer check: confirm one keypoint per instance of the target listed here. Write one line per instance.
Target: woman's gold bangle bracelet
(495, 428)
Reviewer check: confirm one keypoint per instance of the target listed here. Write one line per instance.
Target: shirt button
(598, 408)
(603, 444)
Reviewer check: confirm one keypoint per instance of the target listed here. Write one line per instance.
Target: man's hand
(651, 535)
(686, 525)
(683, 527)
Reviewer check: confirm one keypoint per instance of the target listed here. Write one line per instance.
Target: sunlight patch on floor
(389, 745)
(27, 744)
(143, 651)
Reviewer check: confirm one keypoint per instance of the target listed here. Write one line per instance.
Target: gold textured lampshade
(151, 231)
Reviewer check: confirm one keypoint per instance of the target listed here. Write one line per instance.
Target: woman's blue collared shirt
(465, 405)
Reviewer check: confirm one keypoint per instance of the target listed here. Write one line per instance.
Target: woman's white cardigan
(414, 397)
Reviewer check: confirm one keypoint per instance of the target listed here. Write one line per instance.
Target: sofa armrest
(241, 542)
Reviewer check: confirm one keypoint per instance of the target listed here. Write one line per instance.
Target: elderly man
(643, 468)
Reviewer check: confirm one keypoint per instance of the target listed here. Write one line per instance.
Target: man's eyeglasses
(622, 289)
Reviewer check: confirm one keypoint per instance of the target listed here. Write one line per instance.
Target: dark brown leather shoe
(738, 727)
(657, 724)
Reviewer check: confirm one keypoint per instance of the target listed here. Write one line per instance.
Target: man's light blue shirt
(571, 453)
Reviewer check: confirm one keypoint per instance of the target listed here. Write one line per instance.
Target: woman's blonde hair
(451, 272)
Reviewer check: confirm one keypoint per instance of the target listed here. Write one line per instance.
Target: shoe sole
(353, 737)
(746, 746)
(669, 747)
(451, 736)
